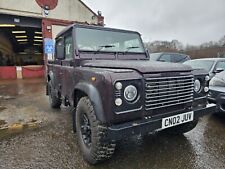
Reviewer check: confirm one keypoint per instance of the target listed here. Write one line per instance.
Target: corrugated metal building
(26, 24)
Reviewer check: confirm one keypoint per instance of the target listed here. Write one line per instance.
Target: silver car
(211, 65)
(217, 91)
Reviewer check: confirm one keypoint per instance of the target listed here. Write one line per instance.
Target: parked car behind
(211, 65)
(169, 57)
(217, 91)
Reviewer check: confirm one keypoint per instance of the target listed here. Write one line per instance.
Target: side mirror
(60, 52)
(218, 70)
(147, 53)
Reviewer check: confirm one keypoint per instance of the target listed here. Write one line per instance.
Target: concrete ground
(17, 103)
(52, 144)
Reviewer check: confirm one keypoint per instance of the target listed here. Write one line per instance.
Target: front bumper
(120, 131)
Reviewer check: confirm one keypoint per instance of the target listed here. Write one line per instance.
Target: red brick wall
(33, 72)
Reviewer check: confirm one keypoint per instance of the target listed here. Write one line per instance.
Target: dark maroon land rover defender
(105, 75)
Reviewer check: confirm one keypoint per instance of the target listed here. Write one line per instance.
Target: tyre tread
(104, 148)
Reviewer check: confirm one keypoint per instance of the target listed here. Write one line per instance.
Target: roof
(87, 7)
(93, 27)
(215, 59)
(169, 53)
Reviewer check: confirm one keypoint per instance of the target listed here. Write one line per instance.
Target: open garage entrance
(21, 47)
(24, 46)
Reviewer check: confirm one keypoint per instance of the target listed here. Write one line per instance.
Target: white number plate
(177, 119)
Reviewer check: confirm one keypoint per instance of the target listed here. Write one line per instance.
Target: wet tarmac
(54, 145)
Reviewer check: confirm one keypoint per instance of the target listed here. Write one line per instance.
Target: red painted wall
(8, 72)
(33, 71)
(50, 3)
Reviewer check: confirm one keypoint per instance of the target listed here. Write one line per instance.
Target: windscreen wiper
(131, 47)
(103, 47)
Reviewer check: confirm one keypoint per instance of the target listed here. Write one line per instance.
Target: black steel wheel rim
(85, 128)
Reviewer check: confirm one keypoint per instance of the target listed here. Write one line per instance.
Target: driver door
(68, 67)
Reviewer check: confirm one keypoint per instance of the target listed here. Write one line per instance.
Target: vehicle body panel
(217, 91)
(140, 66)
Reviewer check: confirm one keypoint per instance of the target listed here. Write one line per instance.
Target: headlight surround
(197, 86)
(130, 93)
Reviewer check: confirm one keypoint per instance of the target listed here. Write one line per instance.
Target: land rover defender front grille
(162, 92)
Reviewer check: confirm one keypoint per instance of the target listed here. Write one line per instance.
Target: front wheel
(91, 134)
(181, 129)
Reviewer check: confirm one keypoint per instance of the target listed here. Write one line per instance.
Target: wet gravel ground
(54, 145)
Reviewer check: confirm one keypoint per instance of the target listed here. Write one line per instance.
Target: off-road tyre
(100, 148)
(54, 101)
(181, 129)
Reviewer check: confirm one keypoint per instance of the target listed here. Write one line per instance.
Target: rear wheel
(181, 129)
(54, 101)
(91, 134)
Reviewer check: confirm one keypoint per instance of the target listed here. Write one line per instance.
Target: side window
(59, 49)
(220, 65)
(68, 47)
(165, 58)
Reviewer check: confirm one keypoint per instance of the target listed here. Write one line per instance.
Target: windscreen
(108, 41)
(200, 64)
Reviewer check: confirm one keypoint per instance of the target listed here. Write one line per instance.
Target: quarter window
(59, 49)
(68, 47)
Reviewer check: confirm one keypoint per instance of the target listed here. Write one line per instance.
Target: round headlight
(118, 85)
(197, 86)
(207, 78)
(130, 93)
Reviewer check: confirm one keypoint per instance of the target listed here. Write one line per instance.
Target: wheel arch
(85, 89)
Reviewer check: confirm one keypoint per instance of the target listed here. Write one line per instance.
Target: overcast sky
(189, 21)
